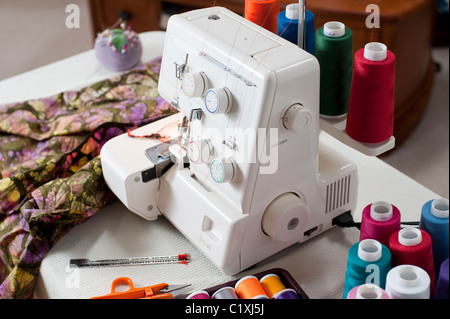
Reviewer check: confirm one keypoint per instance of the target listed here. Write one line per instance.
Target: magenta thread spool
(367, 291)
(287, 293)
(199, 295)
(379, 220)
(225, 293)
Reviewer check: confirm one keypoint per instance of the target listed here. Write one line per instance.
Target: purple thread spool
(225, 293)
(198, 295)
(441, 291)
(287, 293)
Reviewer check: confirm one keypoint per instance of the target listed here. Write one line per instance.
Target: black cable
(345, 220)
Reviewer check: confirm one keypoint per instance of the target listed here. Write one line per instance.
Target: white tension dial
(200, 151)
(218, 101)
(194, 84)
(222, 170)
(297, 118)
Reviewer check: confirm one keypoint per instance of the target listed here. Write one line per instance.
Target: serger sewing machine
(244, 174)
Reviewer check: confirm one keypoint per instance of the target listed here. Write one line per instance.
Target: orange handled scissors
(158, 291)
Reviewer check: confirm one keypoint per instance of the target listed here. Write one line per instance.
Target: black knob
(124, 15)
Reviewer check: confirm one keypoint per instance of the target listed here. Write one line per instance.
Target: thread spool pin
(440, 208)
(292, 11)
(381, 211)
(369, 250)
(375, 51)
(409, 236)
(334, 29)
(408, 276)
(368, 291)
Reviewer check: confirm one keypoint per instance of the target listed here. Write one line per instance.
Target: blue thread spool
(287, 26)
(368, 262)
(434, 220)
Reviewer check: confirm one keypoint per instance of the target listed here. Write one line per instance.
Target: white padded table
(318, 265)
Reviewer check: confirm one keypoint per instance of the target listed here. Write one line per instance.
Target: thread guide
(336, 128)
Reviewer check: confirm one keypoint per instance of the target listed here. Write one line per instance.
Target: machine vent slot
(338, 194)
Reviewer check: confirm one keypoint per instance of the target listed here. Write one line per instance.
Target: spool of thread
(271, 284)
(367, 291)
(368, 262)
(225, 293)
(199, 295)
(287, 293)
(441, 291)
(434, 220)
(288, 26)
(379, 221)
(408, 282)
(412, 246)
(263, 12)
(249, 287)
(334, 51)
(370, 117)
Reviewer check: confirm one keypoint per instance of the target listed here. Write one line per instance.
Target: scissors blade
(171, 288)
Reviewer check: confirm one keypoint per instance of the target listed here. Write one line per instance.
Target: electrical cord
(346, 220)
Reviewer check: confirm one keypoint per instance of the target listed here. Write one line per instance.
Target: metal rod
(302, 24)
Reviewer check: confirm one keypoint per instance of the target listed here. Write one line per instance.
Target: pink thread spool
(199, 295)
(367, 291)
(379, 220)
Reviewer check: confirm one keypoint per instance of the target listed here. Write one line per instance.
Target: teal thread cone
(360, 272)
(335, 56)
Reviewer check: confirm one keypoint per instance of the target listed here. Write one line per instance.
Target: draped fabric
(50, 170)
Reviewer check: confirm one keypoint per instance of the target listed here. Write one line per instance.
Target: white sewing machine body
(257, 178)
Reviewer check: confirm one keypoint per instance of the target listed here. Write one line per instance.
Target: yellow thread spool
(249, 287)
(271, 284)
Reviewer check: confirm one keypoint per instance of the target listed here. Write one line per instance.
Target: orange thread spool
(271, 284)
(249, 287)
(263, 12)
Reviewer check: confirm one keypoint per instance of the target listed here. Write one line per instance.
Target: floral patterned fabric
(50, 170)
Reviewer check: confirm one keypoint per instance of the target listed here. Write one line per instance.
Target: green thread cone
(335, 57)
